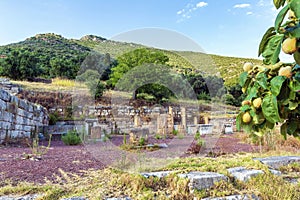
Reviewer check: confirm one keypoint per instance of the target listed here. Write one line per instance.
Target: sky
(229, 28)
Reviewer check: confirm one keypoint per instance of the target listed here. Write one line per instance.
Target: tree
(63, 67)
(92, 79)
(272, 90)
(135, 58)
(199, 86)
(20, 64)
(215, 86)
(101, 63)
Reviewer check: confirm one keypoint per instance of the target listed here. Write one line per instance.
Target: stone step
(276, 162)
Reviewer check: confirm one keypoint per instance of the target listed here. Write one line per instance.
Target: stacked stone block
(19, 117)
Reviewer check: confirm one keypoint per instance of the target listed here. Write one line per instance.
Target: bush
(197, 135)
(142, 141)
(96, 87)
(53, 118)
(203, 96)
(71, 138)
(228, 99)
(175, 132)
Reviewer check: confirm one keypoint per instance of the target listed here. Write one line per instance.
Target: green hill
(228, 68)
(48, 47)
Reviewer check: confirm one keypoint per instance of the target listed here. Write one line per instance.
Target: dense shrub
(53, 118)
(71, 138)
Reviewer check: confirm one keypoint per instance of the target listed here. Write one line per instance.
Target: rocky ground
(84, 157)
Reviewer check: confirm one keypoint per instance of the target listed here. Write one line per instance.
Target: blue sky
(231, 28)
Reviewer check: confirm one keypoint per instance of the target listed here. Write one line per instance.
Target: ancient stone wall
(19, 117)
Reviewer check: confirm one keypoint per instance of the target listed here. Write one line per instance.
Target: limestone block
(15, 100)
(6, 116)
(5, 125)
(243, 174)
(4, 95)
(276, 162)
(203, 180)
(20, 120)
(28, 128)
(21, 112)
(19, 127)
(3, 105)
(15, 134)
(28, 115)
(192, 129)
(23, 104)
(96, 132)
(205, 129)
(160, 174)
(275, 172)
(30, 108)
(235, 197)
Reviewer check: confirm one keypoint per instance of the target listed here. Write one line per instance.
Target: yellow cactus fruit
(257, 102)
(289, 45)
(297, 57)
(246, 102)
(292, 15)
(247, 67)
(247, 117)
(285, 71)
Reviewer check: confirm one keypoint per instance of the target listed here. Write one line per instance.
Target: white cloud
(201, 4)
(261, 3)
(243, 5)
(180, 12)
(249, 13)
(189, 9)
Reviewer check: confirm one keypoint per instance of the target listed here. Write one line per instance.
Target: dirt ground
(76, 159)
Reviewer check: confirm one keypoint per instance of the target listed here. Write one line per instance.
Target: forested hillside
(92, 58)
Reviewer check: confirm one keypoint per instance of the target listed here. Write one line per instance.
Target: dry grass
(57, 85)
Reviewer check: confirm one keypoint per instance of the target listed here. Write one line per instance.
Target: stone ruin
(9, 87)
(18, 118)
(120, 119)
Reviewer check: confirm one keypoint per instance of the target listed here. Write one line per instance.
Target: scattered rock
(163, 145)
(27, 197)
(203, 180)
(276, 162)
(156, 174)
(291, 180)
(235, 197)
(123, 198)
(275, 172)
(243, 174)
(75, 198)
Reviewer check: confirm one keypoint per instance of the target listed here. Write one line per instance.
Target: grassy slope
(228, 68)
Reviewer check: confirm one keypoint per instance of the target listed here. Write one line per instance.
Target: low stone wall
(6, 85)
(19, 117)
